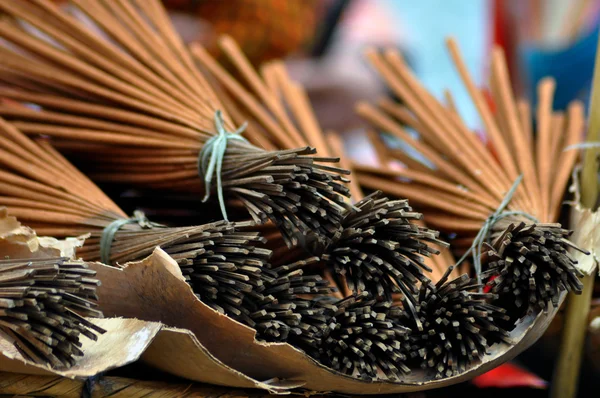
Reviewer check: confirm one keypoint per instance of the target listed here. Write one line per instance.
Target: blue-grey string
(210, 159)
(483, 234)
(108, 234)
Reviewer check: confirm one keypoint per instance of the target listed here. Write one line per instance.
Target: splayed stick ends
(288, 313)
(529, 266)
(365, 337)
(380, 249)
(42, 304)
(453, 326)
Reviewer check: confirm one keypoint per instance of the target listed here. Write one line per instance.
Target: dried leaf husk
(43, 303)
(379, 248)
(113, 84)
(529, 267)
(149, 291)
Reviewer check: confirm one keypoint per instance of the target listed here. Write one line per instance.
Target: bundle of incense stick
(113, 83)
(466, 179)
(365, 338)
(378, 246)
(47, 193)
(465, 183)
(42, 304)
(380, 250)
(454, 326)
(529, 267)
(291, 316)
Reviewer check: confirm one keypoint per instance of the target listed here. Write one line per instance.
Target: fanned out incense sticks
(378, 247)
(380, 250)
(530, 267)
(43, 302)
(113, 83)
(473, 190)
(283, 314)
(454, 326)
(468, 179)
(364, 338)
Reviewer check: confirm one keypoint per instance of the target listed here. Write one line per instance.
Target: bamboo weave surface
(15, 384)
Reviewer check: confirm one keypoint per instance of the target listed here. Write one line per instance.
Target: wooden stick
(380, 148)
(546, 89)
(522, 150)
(506, 159)
(567, 159)
(337, 148)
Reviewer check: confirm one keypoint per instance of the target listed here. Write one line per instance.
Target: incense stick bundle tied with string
(114, 84)
(474, 190)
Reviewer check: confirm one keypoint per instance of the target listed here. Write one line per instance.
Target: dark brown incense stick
(529, 267)
(380, 249)
(454, 326)
(364, 339)
(43, 302)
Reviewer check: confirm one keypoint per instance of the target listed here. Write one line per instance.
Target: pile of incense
(220, 261)
(365, 338)
(43, 302)
(529, 266)
(42, 189)
(454, 326)
(378, 247)
(113, 84)
(463, 183)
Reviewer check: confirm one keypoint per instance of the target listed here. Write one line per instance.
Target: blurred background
(322, 42)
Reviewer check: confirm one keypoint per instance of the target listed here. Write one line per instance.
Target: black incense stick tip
(43, 302)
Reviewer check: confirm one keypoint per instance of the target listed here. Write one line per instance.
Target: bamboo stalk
(568, 365)
(566, 371)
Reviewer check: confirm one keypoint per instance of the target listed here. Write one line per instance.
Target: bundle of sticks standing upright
(501, 198)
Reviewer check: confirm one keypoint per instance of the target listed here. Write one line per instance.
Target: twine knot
(483, 234)
(108, 234)
(210, 159)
